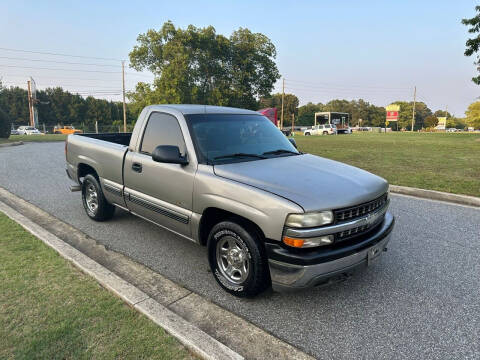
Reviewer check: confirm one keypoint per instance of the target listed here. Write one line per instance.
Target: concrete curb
(436, 195)
(199, 342)
(15, 143)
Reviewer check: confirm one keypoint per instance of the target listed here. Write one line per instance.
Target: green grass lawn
(24, 138)
(436, 161)
(51, 310)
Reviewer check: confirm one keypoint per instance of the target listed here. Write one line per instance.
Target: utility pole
(283, 97)
(413, 110)
(293, 124)
(124, 105)
(30, 104)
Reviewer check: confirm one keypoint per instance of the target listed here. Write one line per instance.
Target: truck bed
(103, 152)
(117, 138)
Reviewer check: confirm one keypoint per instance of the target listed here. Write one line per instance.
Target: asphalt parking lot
(419, 300)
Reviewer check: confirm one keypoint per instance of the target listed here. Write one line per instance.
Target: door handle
(137, 167)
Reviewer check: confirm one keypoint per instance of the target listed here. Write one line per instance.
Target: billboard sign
(442, 123)
(393, 112)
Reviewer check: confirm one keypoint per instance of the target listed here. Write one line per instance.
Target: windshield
(226, 138)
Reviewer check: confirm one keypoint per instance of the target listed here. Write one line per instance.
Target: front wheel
(325, 133)
(94, 201)
(307, 134)
(237, 259)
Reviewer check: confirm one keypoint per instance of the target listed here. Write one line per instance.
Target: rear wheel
(307, 134)
(94, 201)
(237, 259)
(325, 133)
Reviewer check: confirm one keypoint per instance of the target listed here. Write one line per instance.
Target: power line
(344, 92)
(58, 54)
(310, 83)
(59, 62)
(62, 78)
(75, 70)
(314, 87)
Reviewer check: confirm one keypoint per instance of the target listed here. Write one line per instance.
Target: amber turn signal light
(298, 243)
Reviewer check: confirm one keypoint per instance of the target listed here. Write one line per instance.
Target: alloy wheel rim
(91, 197)
(233, 260)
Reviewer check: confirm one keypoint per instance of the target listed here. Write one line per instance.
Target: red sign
(392, 115)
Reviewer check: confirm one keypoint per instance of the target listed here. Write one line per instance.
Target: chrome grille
(354, 212)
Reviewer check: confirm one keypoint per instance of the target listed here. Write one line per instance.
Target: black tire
(325, 133)
(307, 134)
(258, 278)
(103, 210)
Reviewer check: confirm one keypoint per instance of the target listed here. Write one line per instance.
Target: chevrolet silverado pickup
(228, 179)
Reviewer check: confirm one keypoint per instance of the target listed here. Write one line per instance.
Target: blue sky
(375, 50)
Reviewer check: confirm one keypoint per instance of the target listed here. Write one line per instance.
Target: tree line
(57, 106)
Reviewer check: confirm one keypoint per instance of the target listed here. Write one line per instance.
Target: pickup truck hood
(313, 182)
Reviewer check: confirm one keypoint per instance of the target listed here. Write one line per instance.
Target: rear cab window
(162, 129)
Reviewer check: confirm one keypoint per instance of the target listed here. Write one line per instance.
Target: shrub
(5, 125)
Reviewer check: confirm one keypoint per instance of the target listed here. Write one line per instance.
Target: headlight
(309, 219)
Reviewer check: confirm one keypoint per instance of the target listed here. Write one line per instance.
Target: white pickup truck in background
(326, 129)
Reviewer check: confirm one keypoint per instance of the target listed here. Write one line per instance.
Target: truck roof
(202, 109)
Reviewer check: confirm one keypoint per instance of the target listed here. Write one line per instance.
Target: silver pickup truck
(230, 180)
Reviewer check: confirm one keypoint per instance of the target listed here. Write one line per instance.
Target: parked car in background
(14, 132)
(345, 130)
(452, 130)
(28, 130)
(321, 130)
(216, 176)
(66, 130)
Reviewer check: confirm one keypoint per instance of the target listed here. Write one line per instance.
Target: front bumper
(291, 271)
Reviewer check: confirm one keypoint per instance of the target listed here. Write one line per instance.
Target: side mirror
(294, 143)
(169, 154)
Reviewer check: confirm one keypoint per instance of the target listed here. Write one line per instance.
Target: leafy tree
(442, 113)
(458, 123)
(199, 66)
(307, 112)
(473, 115)
(473, 44)
(5, 125)
(431, 121)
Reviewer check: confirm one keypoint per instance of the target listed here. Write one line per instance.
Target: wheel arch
(85, 169)
(213, 215)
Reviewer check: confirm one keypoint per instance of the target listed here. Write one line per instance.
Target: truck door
(160, 192)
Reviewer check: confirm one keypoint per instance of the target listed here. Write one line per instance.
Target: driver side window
(162, 129)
